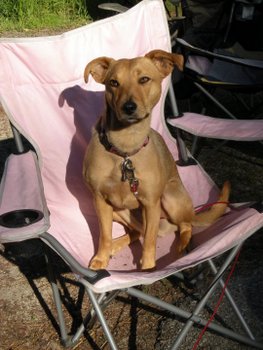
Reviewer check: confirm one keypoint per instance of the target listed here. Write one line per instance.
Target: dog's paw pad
(97, 264)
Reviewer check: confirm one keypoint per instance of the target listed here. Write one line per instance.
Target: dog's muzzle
(129, 107)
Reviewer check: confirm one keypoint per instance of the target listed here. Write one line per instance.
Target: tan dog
(128, 167)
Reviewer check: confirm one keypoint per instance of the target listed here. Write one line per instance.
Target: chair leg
(173, 101)
(232, 302)
(181, 145)
(101, 318)
(194, 145)
(64, 338)
(227, 294)
(229, 21)
(69, 341)
(202, 303)
(104, 299)
(192, 317)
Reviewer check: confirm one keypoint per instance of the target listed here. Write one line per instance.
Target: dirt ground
(28, 315)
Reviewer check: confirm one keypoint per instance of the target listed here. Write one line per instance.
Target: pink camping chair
(42, 193)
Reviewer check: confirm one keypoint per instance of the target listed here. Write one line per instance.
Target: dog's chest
(108, 177)
(119, 194)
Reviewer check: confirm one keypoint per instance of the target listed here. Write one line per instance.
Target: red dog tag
(134, 184)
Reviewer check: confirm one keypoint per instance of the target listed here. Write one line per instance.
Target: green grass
(36, 15)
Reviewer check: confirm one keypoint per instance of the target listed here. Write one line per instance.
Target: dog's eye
(114, 83)
(144, 80)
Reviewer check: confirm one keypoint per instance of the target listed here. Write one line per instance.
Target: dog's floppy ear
(98, 69)
(165, 61)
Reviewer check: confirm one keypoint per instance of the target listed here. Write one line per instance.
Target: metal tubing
(180, 142)
(229, 21)
(182, 148)
(173, 100)
(194, 145)
(92, 276)
(203, 301)
(103, 300)
(101, 319)
(196, 319)
(232, 302)
(211, 97)
(61, 320)
(78, 333)
(192, 317)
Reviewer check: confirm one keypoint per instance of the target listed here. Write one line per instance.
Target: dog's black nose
(129, 107)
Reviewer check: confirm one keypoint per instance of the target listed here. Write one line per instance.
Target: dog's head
(133, 86)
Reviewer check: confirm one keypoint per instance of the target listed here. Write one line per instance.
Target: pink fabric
(21, 188)
(230, 230)
(43, 92)
(226, 129)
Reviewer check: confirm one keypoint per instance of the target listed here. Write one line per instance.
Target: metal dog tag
(127, 171)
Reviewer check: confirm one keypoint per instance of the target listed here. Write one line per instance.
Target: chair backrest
(43, 91)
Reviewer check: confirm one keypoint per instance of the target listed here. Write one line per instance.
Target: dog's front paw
(147, 264)
(98, 264)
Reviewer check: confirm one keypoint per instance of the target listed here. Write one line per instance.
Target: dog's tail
(217, 209)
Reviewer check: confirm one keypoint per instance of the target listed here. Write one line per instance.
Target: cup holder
(20, 218)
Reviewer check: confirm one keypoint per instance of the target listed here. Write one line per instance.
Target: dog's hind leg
(123, 241)
(127, 219)
(132, 227)
(178, 207)
(185, 230)
(165, 227)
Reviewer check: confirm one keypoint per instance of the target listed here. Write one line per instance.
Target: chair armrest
(89, 275)
(233, 59)
(23, 209)
(113, 6)
(218, 128)
(21, 190)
